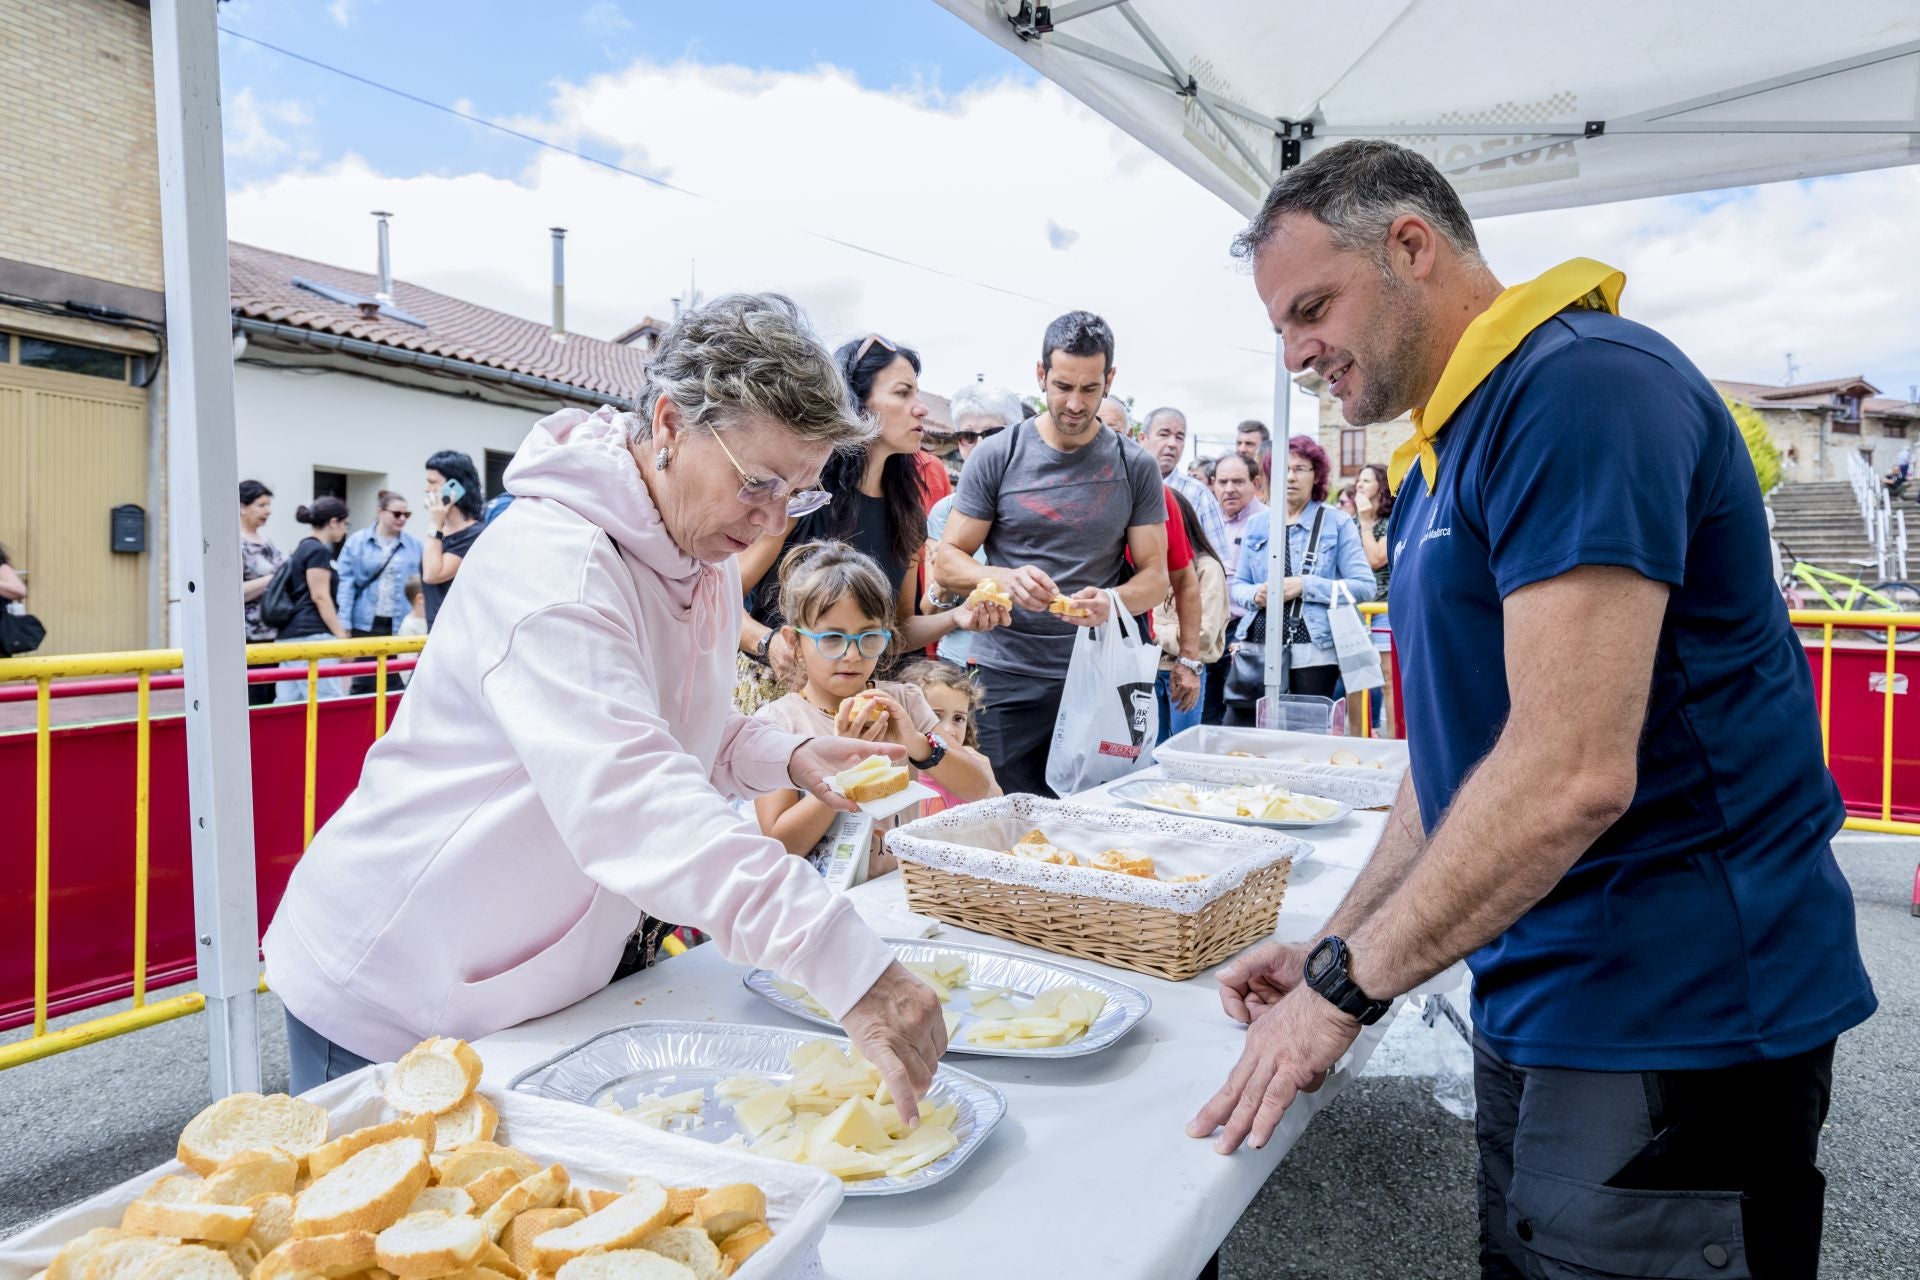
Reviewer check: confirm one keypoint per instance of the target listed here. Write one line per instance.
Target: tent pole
(202, 474)
(1277, 506)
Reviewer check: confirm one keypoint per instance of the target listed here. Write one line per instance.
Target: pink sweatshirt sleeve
(642, 818)
(753, 755)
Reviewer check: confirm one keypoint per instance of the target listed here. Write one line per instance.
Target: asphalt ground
(1381, 1186)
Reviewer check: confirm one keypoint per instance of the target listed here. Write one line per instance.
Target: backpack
(276, 602)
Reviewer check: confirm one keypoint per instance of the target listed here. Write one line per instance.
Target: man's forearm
(1499, 851)
(1400, 845)
(958, 573)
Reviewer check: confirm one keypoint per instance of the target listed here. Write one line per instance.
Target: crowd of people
(342, 583)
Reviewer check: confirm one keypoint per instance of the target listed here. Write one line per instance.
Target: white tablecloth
(1091, 1173)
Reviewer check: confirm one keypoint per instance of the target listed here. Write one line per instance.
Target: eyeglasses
(834, 644)
(975, 437)
(767, 492)
(1300, 469)
(867, 346)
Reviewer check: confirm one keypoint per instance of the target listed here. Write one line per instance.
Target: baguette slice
(125, 1259)
(590, 1199)
(250, 1173)
(272, 1222)
(487, 1189)
(250, 1122)
(449, 1200)
(71, 1262)
(891, 782)
(543, 1190)
(324, 1159)
(431, 1244)
(624, 1264)
(221, 1223)
(494, 1258)
(640, 1212)
(724, 1210)
(518, 1238)
(475, 1120)
(328, 1257)
(681, 1200)
(176, 1188)
(463, 1164)
(691, 1247)
(244, 1254)
(434, 1076)
(745, 1242)
(190, 1262)
(367, 1193)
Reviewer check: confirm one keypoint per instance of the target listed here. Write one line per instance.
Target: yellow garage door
(73, 447)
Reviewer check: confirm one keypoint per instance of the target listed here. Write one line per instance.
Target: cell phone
(453, 491)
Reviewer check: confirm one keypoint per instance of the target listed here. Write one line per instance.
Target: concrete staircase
(1821, 523)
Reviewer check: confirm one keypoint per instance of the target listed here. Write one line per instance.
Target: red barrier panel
(90, 913)
(1858, 728)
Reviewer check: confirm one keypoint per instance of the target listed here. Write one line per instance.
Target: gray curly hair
(749, 355)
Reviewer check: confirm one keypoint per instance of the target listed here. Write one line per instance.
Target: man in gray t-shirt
(1058, 502)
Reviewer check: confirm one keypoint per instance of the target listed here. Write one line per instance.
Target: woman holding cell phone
(454, 501)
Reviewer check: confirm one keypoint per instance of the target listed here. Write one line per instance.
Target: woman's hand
(1290, 589)
(984, 616)
(818, 759)
(1363, 504)
(437, 506)
(1260, 597)
(898, 1026)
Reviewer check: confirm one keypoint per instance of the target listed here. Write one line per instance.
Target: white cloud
(341, 11)
(982, 185)
(605, 16)
(250, 126)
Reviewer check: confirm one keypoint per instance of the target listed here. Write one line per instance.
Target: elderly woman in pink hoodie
(562, 762)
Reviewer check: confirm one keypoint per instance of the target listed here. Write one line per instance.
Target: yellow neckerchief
(1491, 337)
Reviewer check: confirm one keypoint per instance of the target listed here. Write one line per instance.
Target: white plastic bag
(1359, 660)
(1108, 717)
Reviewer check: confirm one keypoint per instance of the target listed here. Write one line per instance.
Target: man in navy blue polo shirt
(1617, 810)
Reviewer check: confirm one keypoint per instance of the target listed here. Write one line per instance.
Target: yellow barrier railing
(144, 665)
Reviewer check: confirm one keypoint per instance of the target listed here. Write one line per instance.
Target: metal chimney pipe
(384, 291)
(559, 283)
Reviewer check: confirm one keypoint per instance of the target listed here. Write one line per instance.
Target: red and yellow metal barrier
(94, 674)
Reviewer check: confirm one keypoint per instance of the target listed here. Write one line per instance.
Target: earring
(660, 460)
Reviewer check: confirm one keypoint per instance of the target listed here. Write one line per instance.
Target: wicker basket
(1166, 941)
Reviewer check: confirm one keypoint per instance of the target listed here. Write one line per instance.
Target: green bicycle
(1804, 587)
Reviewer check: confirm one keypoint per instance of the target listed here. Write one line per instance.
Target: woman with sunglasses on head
(559, 772)
(873, 503)
(839, 612)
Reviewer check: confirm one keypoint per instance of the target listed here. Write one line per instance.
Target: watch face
(1319, 960)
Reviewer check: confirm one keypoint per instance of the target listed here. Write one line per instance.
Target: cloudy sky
(898, 173)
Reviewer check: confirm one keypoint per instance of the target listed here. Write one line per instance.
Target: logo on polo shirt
(1444, 531)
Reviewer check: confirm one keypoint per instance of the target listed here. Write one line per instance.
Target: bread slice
(190, 1262)
(272, 1222)
(427, 1245)
(219, 1223)
(71, 1262)
(681, 1200)
(518, 1238)
(327, 1157)
(251, 1122)
(449, 1200)
(494, 1258)
(877, 785)
(125, 1259)
(624, 1264)
(543, 1190)
(251, 1173)
(989, 591)
(745, 1242)
(1124, 861)
(433, 1077)
(724, 1210)
(1063, 607)
(464, 1163)
(490, 1186)
(328, 1257)
(176, 1188)
(590, 1199)
(244, 1254)
(474, 1120)
(367, 1193)
(691, 1247)
(638, 1213)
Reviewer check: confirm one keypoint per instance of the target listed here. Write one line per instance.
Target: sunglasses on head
(867, 346)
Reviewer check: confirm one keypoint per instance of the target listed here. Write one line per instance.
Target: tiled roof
(1816, 396)
(263, 289)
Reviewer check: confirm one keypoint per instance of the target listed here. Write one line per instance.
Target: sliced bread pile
(427, 1196)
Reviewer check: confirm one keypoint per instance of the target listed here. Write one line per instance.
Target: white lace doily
(973, 840)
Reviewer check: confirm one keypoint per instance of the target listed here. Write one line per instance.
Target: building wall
(78, 166)
(379, 433)
(1796, 432)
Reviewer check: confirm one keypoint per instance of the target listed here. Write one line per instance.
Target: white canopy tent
(1527, 105)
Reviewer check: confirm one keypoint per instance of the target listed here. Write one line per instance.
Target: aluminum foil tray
(990, 971)
(669, 1057)
(1143, 792)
